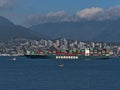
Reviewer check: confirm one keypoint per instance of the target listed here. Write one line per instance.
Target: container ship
(88, 53)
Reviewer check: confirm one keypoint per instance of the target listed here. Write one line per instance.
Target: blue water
(31, 74)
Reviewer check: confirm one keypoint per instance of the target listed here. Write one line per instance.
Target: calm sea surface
(31, 74)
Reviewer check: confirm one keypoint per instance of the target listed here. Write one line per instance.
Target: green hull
(65, 57)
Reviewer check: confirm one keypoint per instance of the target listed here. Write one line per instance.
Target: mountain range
(107, 30)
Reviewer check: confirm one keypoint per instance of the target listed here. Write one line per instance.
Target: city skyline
(19, 47)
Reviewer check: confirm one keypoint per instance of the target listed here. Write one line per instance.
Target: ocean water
(37, 74)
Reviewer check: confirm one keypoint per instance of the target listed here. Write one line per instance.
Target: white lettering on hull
(66, 57)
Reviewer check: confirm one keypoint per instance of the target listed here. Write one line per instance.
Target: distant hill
(5, 22)
(111, 32)
(9, 30)
(108, 30)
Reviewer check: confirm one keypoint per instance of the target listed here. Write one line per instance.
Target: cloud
(97, 13)
(89, 13)
(92, 13)
(6, 3)
(59, 16)
(112, 13)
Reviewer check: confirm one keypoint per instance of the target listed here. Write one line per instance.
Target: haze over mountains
(88, 30)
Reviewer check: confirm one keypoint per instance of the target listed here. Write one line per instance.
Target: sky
(29, 12)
